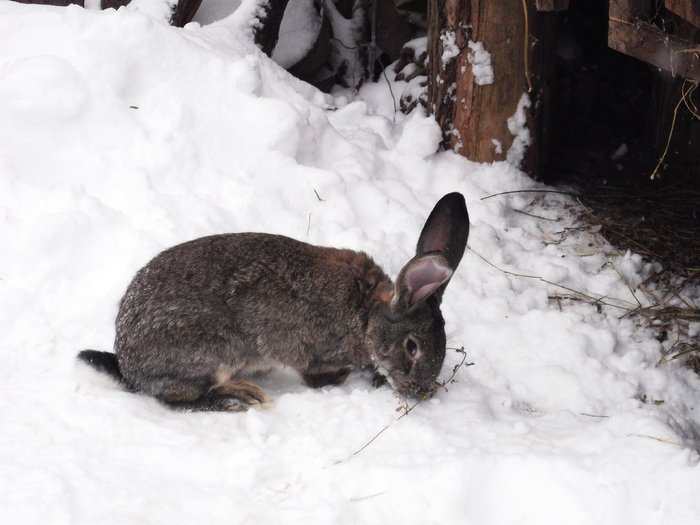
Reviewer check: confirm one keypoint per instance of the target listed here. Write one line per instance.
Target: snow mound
(121, 136)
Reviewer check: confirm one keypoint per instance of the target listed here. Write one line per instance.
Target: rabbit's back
(224, 303)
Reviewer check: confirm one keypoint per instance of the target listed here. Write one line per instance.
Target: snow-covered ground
(121, 136)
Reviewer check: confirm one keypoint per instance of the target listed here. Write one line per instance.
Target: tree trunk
(184, 12)
(268, 30)
(473, 113)
(112, 4)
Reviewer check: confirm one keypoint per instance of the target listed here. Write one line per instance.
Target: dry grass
(673, 293)
(662, 225)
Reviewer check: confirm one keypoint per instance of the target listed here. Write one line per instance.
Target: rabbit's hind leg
(234, 395)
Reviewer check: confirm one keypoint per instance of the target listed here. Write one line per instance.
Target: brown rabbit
(202, 312)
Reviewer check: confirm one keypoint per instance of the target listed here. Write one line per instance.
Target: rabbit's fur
(203, 312)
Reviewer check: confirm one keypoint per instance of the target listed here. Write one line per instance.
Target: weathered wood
(60, 3)
(687, 9)
(542, 68)
(474, 118)
(652, 45)
(552, 5)
(184, 12)
(630, 10)
(268, 29)
(674, 130)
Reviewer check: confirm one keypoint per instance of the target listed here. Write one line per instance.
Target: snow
(498, 146)
(480, 60)
(161, 10)
(517, 125)
(121, 136)
(214, 10)
(298, 32)
(450, 49)
(346, 58)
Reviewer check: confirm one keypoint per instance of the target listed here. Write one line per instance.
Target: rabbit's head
(407, 337)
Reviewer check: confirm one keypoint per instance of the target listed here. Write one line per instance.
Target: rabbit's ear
(446, 229)
(420, 278)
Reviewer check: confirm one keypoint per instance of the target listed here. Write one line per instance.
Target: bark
(474, 117)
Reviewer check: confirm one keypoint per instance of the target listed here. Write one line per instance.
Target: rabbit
(204, 312)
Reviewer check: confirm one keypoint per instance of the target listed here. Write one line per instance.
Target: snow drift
(121, 136)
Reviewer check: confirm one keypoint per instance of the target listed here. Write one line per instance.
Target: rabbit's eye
(411, 347)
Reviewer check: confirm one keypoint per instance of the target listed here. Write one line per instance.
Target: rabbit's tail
(102, 362)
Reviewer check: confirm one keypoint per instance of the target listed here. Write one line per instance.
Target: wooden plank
(687, 9)
(552, 5)
(650, 44)
(630, 10)
(60, 3)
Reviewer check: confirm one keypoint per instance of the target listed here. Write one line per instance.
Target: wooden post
(472, 113)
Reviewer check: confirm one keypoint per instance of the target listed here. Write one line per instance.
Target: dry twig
(594, 300)
(686, 93)
(408, 409)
